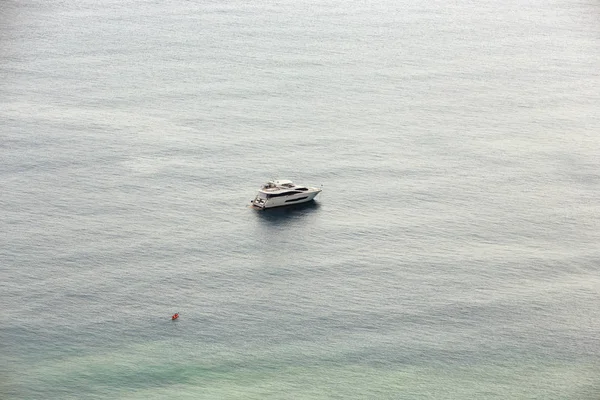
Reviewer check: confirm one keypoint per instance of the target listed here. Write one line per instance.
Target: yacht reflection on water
(288, 213)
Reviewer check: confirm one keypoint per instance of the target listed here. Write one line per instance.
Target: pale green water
(453, 253)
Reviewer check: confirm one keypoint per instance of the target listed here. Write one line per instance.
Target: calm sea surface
(453, 254)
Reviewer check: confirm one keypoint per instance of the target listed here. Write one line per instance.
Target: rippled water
(453, 253)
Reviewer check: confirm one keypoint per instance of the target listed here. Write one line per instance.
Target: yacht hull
(282, 201)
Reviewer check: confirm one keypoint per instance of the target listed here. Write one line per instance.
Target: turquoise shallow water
(453, 253)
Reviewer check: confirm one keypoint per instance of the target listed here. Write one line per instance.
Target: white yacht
(283, 193)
